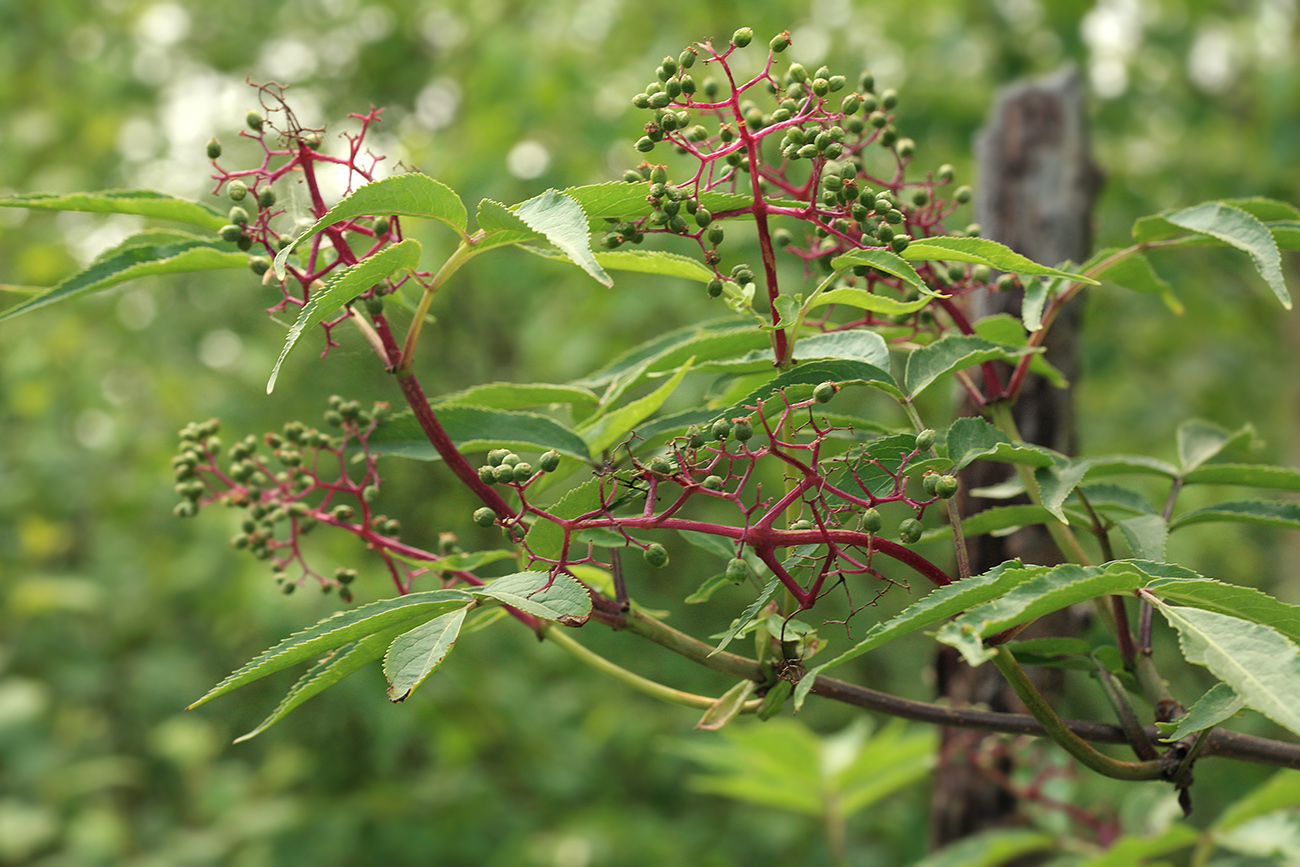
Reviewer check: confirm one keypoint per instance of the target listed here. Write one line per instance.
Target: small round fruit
(523, 472)
(909, 530)
(238, 216)
(254, 120)
(925, 440)
(656, 555)
(214, 148)
(742, 37)
(871, 521)
(266, 198)
(825, 391)
(550, 461)
(485, 517)
(231, 233)
(737, 570)
(947, 487)
(743, 429)
(712, 483)
(236, 190)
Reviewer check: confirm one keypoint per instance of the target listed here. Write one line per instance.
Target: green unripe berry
(485, 517)
(673, 88)
(742, 37)
(504, 474)
(244, 243)
(487, 475)
(780, 42)
(947, 487)
(838, 83)
(254, 120)
(878, 119)
(656, 555)
(715, 288)
(868, 81)
(851, 104)
(963, 195)
(899, 243)
(645, 144)
(737, 570)
(716, 235)
(889, 99)
(259, 265)
(236, 190)
(369, 492)
(825, 391)
(909, 531)
(800, 526)
(523, 472)
(821, 86)
(214, 148)
(905, 147)
(382, 225)
(973, 230)
(712, 483)
(661, 465)
(703, 218)
(930, 482)
(721, 429)
(231, 233)
(797, 73)
(238, 216)
(632, 176)
(1007, 283)
(509, 459)
(925, 440)
(266, 198)
(871, 521)
(550, 461)
(496, 457)
(743, 429)
(945, 174)
(641, 100)
(687, 58)
(921, 198)
(981, 273)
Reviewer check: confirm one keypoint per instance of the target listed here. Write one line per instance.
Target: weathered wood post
(1035, 187)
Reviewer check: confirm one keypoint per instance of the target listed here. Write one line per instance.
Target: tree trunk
(1036, 186)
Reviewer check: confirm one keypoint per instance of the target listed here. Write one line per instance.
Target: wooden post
(1036, 183)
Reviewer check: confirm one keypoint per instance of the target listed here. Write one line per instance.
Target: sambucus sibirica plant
(811, 497)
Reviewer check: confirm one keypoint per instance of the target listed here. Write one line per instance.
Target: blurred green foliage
(115, 614)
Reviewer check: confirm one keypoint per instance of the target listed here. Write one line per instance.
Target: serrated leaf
(813, 373)
(408, 195)
(890, 263)
(949, 354)
(1218, 704)
(1134, 272)
(655, 262)
(468, 561)
(1260, 664)
(864, 300)
(1125, 465)
(1052, 590)
(545, 539)
(1000, 518)
(620, 200)
(1246, 475)
(333, 667)
(718, 546)
(141, 255)
(142, 203)
(1007, 330)
(1230, 225)
(1108, 499)
(499, 227)
(605, 430)
(415, 654)
(727, 707)
(1031, 305)
(561, 219)
(339, 629)
(970, 439)
(343, 287)
(865, 346)
(1057, 482)
(938, 606)
(474, 428)
(1270, 514)
(565, 600)
(1246, 603)
(1146, 535)
(982, 251)
(1199, 441)
(705, 341)
(748, 615)
(514, 395)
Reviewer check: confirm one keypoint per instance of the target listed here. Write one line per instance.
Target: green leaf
(560, 598)
(1130, 850)
(1270, 514)
(864, 300)
(1246, 603)
(707, 588)
(343, 287)
(1146, 535)
(501, 227)
(1009, 331)
(408, 195)
(1134, 272)
(1052, 590)
(514, 395)
(1124, 465)
(339, 629)
(1247, 475)
(938, 606)
(141, 255)
(1261, 664)
(477, 428)
(1218, 704)
(1114, 500)
(865, 346)
(727, 707)
(561, 219)
(655, 262)
(333, 667)
(1233, 226)
(606, 430)
(1199, 441)
(545, 538)
(999, 518)
(890, 263)
(1057, 482)
(749, 614)
(813, 373)
(704, 341)
(1281, 792)
(414, 655)
(990, 849)
(889, 760)
(718, 546)
(142, 203)
(982, 251)
(1265, 209)
(970, 439)
(951, 353)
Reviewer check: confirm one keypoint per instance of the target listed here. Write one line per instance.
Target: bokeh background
(115, 615)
